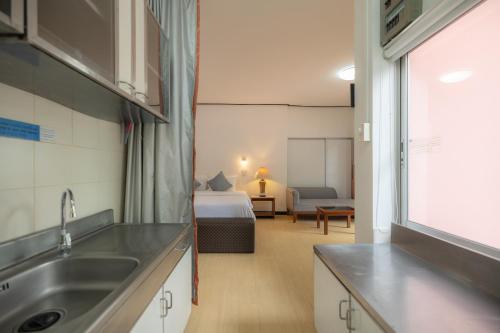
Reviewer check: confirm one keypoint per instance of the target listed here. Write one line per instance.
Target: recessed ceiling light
(347, 73)
(454, 77)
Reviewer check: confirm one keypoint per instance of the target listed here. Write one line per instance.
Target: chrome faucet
(65, 240)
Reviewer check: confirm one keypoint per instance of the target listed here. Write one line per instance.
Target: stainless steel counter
(405, 294)
(155, 250)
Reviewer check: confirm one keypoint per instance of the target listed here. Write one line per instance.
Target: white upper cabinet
(138, 58)
(153, 72)
(140, 50)
(125, 56)
(81, 33)
(12, 16)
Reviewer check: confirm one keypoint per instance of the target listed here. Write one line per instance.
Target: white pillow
(232, 180)
(203, 180)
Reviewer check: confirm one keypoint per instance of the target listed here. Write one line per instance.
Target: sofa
(304, 200)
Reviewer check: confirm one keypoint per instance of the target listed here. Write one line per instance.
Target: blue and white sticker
(18, 129)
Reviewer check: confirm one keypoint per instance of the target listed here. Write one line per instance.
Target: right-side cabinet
(169, 310)
(335, 310)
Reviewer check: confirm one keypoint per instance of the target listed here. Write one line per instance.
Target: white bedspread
(222, 204)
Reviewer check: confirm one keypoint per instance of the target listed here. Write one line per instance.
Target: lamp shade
(262, 172)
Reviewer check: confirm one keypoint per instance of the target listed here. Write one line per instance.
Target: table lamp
(261, 174)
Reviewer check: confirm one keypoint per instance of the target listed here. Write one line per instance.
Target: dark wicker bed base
(226, 235)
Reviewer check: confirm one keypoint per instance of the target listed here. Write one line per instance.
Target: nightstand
(269, 198)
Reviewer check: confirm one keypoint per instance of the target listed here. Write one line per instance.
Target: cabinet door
(154, 78)
(177, 292)
(361, 321)
(151, 320)
(125, 45)
(81, 32)
(331, 300)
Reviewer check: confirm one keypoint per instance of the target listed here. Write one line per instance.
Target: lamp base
(262, 185)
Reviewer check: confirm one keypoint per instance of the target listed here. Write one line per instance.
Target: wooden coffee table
(333, 211)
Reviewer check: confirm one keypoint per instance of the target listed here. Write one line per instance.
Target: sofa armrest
(292, 199)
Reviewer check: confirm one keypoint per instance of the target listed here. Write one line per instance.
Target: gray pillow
(196, 184)
(219, 183)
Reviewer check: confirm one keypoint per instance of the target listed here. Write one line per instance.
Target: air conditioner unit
(395, 15)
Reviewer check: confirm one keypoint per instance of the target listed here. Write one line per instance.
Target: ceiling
(275, 51)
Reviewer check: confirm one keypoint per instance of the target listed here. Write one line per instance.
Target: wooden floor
(268, 291)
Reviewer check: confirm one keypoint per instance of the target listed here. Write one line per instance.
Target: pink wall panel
(454, 128)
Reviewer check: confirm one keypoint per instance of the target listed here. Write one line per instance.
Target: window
(452, 129)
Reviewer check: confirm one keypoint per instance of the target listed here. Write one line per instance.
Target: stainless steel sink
(103, 284)
(55, 292)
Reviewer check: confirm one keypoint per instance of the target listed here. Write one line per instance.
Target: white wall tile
(85, 130)
(16, 104)
(110, 136)
(111, 197)
(85, 165)
(16, 163)
(53, 164)
(86, 156)
(48, 206)
(112, 165)
(87, 198)
(16, 213)
(56, 117)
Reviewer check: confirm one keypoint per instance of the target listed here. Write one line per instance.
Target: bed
(226, 222)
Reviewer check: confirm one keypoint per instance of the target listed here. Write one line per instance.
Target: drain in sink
(40, 321)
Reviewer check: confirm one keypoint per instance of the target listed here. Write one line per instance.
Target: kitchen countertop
(156, 248)
(405, 294)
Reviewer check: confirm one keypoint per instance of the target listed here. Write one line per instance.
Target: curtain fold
(160, 156)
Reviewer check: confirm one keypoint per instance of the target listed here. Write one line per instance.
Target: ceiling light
(347, 73)
(454, 77)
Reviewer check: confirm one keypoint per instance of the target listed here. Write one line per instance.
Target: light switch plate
(364, 132)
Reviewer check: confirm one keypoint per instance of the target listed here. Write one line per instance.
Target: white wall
(376, 92)
(87, 156)
(225, 133)
(376, 104)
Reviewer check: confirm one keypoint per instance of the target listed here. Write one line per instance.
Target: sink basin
(54, 293)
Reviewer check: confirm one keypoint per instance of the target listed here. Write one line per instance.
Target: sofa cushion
(316, 192)
(309, 205)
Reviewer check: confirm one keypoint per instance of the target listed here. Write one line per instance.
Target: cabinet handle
(348, 322)
(170, 303)
(340, 309)
(184, 246)
(163, 307)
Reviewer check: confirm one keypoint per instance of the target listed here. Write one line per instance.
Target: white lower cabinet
(361, 320)
(335, 310)
(170, 308)
(331, 300)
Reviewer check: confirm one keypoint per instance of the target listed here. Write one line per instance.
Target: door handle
(340, 309)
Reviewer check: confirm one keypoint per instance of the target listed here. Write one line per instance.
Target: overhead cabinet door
(81, 33)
